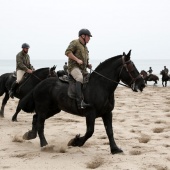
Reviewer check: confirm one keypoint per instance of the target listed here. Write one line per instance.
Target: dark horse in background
(149, 77)
(28, 83)
(165, 78)
(51, 96)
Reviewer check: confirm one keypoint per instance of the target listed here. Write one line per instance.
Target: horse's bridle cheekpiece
(129, 66)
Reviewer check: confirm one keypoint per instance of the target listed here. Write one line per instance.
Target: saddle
(72, 83)
(22, 82)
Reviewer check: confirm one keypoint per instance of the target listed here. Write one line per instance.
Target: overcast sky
(116, 25)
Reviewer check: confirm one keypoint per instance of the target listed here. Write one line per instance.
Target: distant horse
(165, 78)
(7, 79)
(150, 77)
(51, 96)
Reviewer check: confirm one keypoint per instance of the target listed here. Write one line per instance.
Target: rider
(150, 70)
(166, 70)
(65, 67)
(78, 61)
(22, 66)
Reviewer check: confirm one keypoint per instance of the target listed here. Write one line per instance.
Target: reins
(109, 79)
(124, 64)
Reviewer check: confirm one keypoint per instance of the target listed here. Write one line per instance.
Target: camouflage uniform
(65, 67)
(22, 65)
(81, 52)
(166, 70)
(23, 62)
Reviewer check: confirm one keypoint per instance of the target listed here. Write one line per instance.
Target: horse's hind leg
(79, 141)
(4, 101)
(32, 134)
(14, 117)
(40, 128)
(107, 119)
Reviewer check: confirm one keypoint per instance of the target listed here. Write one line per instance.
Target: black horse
(7, 79)
(150, 77)
(165, 78)
(51, 96)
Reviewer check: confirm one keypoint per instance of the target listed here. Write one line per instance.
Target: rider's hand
(79, 61)
(29, 71)
(89, 66)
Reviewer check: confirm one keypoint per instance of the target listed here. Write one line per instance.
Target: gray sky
(116, 25)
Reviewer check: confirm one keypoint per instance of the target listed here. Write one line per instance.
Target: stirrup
(83, 105)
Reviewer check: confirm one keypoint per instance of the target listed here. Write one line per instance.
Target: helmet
(25, 45)
(84, 32)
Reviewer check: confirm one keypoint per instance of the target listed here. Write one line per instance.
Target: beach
(141, 124)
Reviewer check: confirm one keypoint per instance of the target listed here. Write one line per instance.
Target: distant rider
(166, 70)
(150, 70)
(65, 67)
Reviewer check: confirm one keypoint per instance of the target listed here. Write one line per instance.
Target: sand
(141, 124)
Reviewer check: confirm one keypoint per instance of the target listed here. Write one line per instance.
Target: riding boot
(13, 88)
(80, 103)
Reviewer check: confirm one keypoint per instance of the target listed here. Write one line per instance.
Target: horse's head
(52, 72)
(130, 75)
(143, 73)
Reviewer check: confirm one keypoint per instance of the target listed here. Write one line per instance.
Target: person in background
(78, 61)
(22, 66)
(150, 70)
(65, 67)
(166, 70)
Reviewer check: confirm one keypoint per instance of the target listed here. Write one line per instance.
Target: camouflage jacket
(23, 61)
(166, 70)
(65, 67)
(81, 52)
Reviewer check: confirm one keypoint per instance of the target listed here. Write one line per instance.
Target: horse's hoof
(25, 136)
(70, 143)
(116, 151)
(29, 135)
(14, 120)
(74, 141)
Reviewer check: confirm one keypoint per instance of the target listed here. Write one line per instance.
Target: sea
(7, 66)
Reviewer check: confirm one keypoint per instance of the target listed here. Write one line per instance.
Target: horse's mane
(105, 63)
(40, 69)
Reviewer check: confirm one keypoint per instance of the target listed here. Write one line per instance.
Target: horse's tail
(27, 103)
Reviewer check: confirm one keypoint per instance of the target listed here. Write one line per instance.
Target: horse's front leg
(4, 101)
(32, 134)
(79, 141)
(14, 117)
(107, 120)
(40, 128)
(162, 83)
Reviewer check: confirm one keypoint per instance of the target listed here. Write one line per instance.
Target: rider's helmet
(25, 45)
(84, 32)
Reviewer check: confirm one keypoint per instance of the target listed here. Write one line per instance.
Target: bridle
(128, 65)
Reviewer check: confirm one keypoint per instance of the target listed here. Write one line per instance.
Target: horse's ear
(124, 54)
(128, 56)
(53, 68)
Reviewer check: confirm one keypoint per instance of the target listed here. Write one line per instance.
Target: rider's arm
(73, 57)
